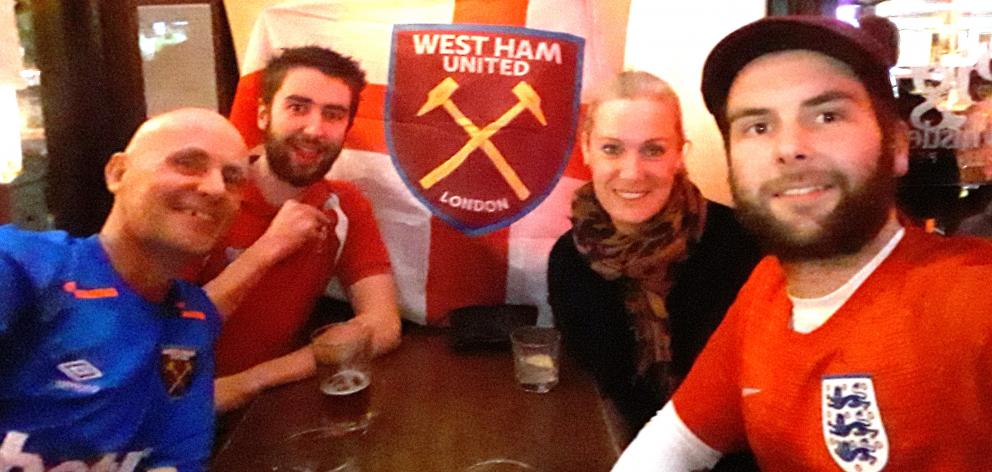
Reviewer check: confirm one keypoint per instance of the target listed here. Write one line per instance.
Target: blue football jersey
(90, 370)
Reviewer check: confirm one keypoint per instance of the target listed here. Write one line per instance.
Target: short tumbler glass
(535, 357)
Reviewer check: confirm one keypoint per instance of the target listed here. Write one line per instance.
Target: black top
(598, 331)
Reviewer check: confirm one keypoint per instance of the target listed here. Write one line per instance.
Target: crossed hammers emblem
(440, 95)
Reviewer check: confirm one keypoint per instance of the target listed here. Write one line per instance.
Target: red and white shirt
(266, 324)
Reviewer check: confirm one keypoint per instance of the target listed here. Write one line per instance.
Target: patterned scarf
(645, 261)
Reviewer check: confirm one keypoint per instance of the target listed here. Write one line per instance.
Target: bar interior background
(85, 65)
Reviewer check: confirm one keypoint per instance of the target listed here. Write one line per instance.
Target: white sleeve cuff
(666, 444)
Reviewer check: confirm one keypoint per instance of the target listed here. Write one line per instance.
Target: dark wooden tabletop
(435, 410)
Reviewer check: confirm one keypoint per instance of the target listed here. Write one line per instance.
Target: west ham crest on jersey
(178, 364)
(480, 120)
(852, 423)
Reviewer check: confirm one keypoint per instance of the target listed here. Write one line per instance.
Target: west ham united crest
(480, 120)
(852, 423)
(177, 369)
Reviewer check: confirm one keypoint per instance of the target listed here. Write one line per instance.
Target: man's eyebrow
(191, 152)
(746, 112)
(299, 99)
(324, 106)
(334, 106)
(827, 97)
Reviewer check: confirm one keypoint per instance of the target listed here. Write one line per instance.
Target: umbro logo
(80, 370)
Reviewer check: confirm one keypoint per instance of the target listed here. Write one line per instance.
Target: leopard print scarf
(645, 262)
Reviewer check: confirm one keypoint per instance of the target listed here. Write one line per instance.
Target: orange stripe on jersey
(89, 294)
(192, 314)
(96, 293)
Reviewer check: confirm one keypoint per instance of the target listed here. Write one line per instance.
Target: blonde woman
(649, 267)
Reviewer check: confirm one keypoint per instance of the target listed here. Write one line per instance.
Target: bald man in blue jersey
(106, 357)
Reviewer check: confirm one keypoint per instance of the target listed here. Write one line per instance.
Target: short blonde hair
(630, 85)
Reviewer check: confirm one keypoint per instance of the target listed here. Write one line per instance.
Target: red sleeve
(709, 400)
(364, 253)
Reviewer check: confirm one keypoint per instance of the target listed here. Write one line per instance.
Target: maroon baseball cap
(868, 57)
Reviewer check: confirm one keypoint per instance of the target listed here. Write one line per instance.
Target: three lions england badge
(852, 423)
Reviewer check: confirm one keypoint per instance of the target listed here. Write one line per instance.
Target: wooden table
(440, 411)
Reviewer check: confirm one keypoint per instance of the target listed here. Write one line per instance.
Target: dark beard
(277, 152)
(857, 219)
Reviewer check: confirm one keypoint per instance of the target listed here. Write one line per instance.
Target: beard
(279, 151)
(861, 213)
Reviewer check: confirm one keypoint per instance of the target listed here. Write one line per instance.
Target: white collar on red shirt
(808, 314)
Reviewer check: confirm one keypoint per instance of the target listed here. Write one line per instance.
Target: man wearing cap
(859, 343)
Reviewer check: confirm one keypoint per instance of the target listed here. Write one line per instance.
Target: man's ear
(113, 172)
(900, 148)
(263, 115)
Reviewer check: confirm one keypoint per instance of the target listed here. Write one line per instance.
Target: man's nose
(314, 125)
(212, 183)
(792, 143)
